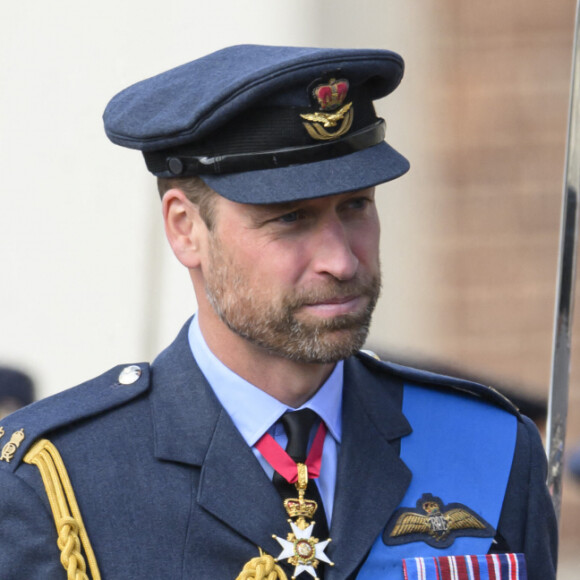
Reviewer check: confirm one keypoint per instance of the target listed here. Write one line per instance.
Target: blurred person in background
(16, 390)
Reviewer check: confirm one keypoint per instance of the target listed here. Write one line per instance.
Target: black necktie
(298, 425)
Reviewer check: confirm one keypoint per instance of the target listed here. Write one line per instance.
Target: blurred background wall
(470, 235)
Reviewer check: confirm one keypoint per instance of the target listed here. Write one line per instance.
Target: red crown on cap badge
(331, 96)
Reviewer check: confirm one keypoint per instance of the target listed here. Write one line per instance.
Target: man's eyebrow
(278, 207)
(260, 211)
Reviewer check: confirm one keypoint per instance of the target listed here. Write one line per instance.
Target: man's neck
(291, 382)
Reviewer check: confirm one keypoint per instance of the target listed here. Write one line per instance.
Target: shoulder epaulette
(432, 379)
(21, 429)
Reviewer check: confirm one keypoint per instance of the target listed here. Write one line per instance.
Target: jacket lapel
(191, 427)
(237, 491)
(371, 478)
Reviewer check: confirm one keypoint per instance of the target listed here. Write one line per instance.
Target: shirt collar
(254, 411)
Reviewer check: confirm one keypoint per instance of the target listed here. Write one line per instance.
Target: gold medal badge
(301, 548)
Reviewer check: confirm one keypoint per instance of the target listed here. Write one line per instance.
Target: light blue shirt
(254, 412)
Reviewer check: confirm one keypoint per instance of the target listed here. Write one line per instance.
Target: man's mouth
(330, 307)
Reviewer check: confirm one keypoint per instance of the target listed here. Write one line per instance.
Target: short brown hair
(196, 191)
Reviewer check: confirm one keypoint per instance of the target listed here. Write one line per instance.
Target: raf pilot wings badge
(434, 523)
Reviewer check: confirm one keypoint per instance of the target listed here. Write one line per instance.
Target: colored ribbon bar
(284, 464)
(487, 567)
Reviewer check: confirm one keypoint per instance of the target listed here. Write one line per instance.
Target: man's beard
(275, 324)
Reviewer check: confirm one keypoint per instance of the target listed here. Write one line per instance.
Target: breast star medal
(301, 548)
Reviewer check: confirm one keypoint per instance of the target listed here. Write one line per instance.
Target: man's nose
(333, 253)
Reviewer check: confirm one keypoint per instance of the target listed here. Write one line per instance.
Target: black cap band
(162, 163)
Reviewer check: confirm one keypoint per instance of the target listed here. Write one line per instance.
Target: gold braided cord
(67, 516)
(263, 567)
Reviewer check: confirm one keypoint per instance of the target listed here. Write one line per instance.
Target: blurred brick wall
(503, 111)
(505, 108)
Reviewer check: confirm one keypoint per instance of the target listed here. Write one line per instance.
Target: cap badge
(435, 523)
(330, 98)
(12, 446)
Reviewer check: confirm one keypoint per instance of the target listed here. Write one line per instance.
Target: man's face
(300, 280)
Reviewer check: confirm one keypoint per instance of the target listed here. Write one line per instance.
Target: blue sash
(460, 451)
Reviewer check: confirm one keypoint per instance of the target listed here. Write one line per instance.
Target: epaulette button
(129, 375)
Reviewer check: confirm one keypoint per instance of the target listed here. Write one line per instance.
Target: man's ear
(184, 227)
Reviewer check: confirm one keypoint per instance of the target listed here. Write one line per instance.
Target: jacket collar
(185, 410)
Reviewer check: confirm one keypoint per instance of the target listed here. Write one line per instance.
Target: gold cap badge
(330, 97)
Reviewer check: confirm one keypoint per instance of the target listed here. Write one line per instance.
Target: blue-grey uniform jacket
(167, 487)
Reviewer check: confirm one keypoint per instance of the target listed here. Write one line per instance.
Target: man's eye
(290, 217)
(358, 203)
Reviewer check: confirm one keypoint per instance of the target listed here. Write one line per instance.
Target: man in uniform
(262, 443)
